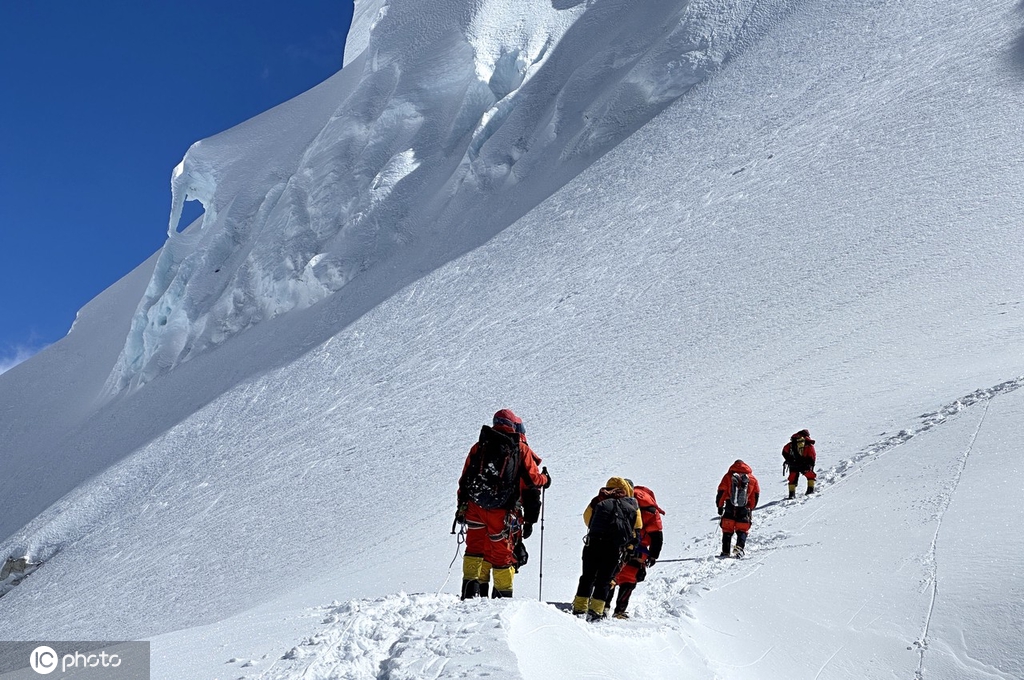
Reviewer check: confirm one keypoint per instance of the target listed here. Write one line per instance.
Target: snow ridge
(456, 119)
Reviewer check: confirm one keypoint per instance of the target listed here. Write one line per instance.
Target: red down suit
(737, 519)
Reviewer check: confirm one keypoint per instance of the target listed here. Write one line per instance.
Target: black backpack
(740, 487)
(492, 478)
(613, 521)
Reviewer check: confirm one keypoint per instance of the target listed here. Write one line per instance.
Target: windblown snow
(667, 235)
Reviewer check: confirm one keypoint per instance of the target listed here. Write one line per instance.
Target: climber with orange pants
(736, 499)
(648, 550)
(499, 471)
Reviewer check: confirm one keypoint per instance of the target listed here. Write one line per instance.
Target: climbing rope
(459, 540)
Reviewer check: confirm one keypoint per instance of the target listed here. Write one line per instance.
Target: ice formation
(431, 132)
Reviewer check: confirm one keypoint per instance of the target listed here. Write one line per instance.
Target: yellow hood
(620, 483)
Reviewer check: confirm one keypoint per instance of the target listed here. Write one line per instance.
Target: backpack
(613, 521)
(740, 486)
(493, 474)
(649, 508)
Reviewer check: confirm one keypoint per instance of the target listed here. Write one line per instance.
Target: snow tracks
(666, 595)
(437, 636)
(399, 637)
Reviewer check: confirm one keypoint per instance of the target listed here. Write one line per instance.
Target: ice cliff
(454, 118)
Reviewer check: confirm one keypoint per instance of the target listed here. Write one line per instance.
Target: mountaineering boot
(502, 581)
(469, 588)
(810, 486)
(580, 605)
(792, 490)
(726, 545)
(625, 590)
(471, 573)
(596, 611)
(611, 596)
(483, 589)
(620, 614)
(737, 551)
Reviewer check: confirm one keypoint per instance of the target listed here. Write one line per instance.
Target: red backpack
(650, 511)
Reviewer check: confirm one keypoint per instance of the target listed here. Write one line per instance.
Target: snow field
(824, 234)
(879, 615)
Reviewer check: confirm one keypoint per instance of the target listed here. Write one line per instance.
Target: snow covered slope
(823, 234)
(457, 118)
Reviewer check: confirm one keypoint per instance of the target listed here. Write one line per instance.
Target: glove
(641, 574)
(651, 562)
(721, 510)
(544, 471)
(527, 530)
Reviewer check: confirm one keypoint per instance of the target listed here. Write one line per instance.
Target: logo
(102, 660)
(43, 660)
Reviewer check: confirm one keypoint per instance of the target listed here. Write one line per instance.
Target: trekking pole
(540, 580)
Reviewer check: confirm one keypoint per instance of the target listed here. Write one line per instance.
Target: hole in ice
(190, 212)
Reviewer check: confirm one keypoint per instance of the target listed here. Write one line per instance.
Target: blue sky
(100, 100)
